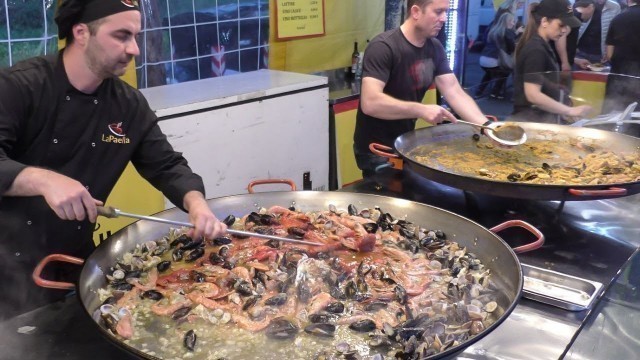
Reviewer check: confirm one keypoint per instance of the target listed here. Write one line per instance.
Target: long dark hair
(497, 31)
(532, 27)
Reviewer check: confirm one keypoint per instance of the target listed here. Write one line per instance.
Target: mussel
(296, 232)
(321, 318)
(190, 340)
(163, 266)
(276, 300)
(229, 220)
(321, 329)
(364, 325)
(335, 307)
(281, 329)
(152, 295)
(181, 312)
(222, 240)
(194, 255)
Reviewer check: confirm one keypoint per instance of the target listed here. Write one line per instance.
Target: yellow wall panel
(346, 21)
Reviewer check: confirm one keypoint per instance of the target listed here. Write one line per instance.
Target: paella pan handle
(270, 181)
(37, 272)
(381, 150)
(525, 225)
(613, 191)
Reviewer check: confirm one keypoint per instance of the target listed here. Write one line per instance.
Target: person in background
(68, 128)
(501, 37)
(537, 94)
(399, 66)
(623, 50)
(593, 33)
(566, 46)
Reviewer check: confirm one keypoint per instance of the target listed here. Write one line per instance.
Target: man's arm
(376, 103)
(609, 55)
(459, 100)
(200, 215)
(68, 198)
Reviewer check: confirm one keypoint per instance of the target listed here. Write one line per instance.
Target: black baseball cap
(558, 9)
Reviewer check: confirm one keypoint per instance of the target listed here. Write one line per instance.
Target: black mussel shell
(110, 300)
(321, 318)
(223, 251)
(229, 220)
(243, 288)
(152, 295)
(513, 177)
(281, 328)
(475, 137)
(194, 255)
(266, 219)
(276, 300)
(180, 313)
(337, 294)
(190, 340)
(321, 329)
(177, 254)
(352, 209)
(264, 230)
(364, 325)
(222, 240)
(180, 240)
(251, 300)
(190, 245)
(135, 274)
(163, 265)
(375, 306)
(215, 259)
(197, 276)
(371, 228)
(335, 307)
(253, 217)
(121, 285)
(400, 294)
(296, 232)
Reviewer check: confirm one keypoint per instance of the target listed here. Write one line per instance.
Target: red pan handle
(37, 272)
(525, 225)
(614, 191)
(491, 117)
(270, 181)
(381, 150)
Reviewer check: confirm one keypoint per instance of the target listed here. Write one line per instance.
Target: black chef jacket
(46, 122)
(535, 63)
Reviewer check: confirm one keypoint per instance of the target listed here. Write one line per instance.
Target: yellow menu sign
(299, 18)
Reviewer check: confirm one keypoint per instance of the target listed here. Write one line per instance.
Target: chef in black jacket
(68, 128)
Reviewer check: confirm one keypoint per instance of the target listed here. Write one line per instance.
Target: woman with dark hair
(537, 93)
(501, 38)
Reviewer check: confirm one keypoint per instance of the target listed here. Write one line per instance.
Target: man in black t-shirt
(399, 66)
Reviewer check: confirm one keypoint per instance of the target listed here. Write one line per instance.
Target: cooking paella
(378, 286)
(546, 158)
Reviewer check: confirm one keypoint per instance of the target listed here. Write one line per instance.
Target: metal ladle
(508, 133)
(111, 212)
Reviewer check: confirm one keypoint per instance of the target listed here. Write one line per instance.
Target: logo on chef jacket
(129, 3)
(117, 135)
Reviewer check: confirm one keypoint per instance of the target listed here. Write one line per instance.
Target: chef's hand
(200, 215)
(67, 197)
(436, 114)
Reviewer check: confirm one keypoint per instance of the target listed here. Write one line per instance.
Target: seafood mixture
(561, 161)
(377, 287)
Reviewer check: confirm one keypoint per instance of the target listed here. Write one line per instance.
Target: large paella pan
(345, 299)
(557, 163)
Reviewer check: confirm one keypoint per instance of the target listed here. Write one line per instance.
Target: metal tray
(558, 289)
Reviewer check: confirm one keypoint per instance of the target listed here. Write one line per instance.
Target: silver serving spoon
(505, 133)
(111, 212)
